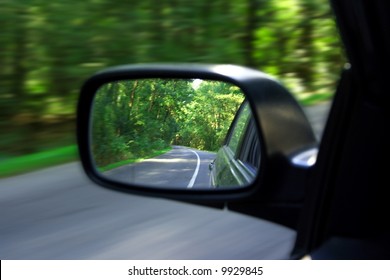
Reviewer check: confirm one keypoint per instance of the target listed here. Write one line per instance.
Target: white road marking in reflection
(192, 181)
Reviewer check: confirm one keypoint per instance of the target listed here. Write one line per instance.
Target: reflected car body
(238, 160)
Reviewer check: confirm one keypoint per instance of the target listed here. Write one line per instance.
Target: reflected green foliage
(135, 119)
(48, 48)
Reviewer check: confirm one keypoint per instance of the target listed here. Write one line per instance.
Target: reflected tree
(136, 119)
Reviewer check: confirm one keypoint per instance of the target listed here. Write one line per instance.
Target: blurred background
(48, 48)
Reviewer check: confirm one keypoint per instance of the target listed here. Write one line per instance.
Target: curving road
(181, 167)
(57, 213)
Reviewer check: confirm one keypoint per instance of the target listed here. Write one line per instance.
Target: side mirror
(202, 132)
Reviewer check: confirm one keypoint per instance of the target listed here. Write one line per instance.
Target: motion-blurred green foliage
(47, 49)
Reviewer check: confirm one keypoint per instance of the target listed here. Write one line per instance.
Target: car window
(250, 153)
(239, 127)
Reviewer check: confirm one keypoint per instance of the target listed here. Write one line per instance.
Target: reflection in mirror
(172, 133)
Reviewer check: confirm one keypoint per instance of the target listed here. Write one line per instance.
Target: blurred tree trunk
(19, 57)
(252, 23)
(306, 68)
(157, 31)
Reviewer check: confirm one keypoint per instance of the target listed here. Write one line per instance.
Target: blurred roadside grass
(32, 162)
(315, 99)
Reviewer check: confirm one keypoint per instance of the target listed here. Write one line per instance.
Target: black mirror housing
(284, 130)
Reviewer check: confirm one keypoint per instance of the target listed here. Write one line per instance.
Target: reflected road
(181, 167)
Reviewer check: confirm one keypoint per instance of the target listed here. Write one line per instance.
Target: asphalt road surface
(180, 168)
(57, 213)
(317, 116)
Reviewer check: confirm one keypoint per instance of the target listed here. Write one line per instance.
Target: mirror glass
(174, 133)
